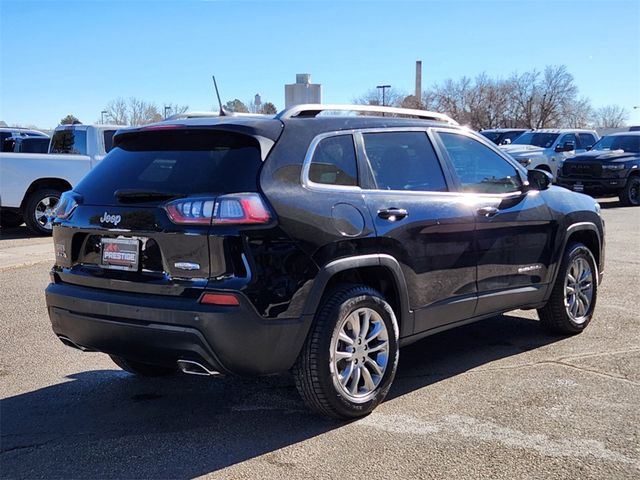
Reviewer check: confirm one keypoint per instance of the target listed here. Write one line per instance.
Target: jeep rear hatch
(145, 213)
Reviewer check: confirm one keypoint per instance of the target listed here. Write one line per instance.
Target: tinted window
(586, 140)
(334, 162)
(4, 136)
(628, 143)
(493, 136)
(182, 162)
(404, 161)
(34, 145)
(69, 141)
(108, 140)
(544, 140)
(480, 169)
(569, 137)
(511, 135)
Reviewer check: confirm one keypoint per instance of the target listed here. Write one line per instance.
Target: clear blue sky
(63, 56)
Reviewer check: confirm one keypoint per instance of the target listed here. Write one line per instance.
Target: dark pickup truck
(611, 167)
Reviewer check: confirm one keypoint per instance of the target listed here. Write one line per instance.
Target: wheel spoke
(366, 376)
(377, 329)
(377, 348)
(374, 366)
(354, 321)
(355, 380)
(345, 338)
(346, 374)
(366, 318)
(340, 355)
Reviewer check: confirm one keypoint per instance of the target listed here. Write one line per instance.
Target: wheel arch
(378, 271)
(56, 183)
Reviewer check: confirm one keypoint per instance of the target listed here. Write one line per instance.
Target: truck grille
(578, 169)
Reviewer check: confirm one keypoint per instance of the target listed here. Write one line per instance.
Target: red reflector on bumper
(219, 299)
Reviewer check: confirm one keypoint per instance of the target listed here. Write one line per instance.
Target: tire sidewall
(627, 191)
(343, 405)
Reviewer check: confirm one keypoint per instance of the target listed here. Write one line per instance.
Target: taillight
(66, 205)
(236, 208)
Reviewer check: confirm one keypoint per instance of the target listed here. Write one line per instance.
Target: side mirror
(539, 179)
(589, 147)
(506, 141)
(567, 147)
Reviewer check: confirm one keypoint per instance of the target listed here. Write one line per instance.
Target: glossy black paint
(452, 257)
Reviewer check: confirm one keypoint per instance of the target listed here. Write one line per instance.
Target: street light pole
(102, 116)
(384, 89)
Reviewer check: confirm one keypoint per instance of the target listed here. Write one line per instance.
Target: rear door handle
(392, 214)
(488, 211)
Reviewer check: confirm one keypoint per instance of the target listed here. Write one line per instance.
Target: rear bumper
(592, 185)
(161, 330)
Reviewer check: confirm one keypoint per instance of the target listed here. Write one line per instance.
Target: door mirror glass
(539, 179)
(506, 141)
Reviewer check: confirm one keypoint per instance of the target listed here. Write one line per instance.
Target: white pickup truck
(31, 183)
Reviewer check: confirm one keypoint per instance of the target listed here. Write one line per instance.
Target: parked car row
(31, 183)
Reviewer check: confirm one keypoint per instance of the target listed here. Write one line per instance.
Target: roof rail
(313, 109)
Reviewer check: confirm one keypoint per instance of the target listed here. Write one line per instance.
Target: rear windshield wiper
(132, 195)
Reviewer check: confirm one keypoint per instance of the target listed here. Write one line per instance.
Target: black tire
(630, 195)
(142, 369)
(10, 219)
(314, 370)
(555, 316)
(32, 204)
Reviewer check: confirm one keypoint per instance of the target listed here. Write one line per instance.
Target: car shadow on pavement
(16, 233)
(108, 424)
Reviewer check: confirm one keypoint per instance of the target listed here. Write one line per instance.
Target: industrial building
(303, 91)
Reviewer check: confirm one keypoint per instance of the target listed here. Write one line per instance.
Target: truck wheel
(142, 369)
(630, 196)
(38, 211)
(349, 359)
(10, 219)
(573, 298)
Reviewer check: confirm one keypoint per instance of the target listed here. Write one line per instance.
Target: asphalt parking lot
(498, 399)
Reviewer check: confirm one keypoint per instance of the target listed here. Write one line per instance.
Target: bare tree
(392, 97)
(136, 111)
(610, 116)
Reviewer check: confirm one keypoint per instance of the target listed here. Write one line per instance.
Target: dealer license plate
(120, 253)
(578, 187)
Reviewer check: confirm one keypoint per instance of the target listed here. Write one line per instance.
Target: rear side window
(334, 162)
(181, 162)
(404, 161)
(480, 169)
(72, 141)
(34, 145)
(108, 140)
(586, 140)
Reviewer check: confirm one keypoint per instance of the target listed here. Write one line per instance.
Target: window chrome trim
(306, 165)
(357, 136)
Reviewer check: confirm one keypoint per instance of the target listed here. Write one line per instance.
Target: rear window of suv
(69, 141)
(183, 162)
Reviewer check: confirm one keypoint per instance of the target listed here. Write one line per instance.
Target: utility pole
(384, 89)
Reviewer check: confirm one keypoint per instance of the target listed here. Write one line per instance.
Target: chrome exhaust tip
(70, 343)
(194, 368)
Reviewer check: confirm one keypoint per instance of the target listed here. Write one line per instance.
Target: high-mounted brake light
(168, 126)
(232, 209)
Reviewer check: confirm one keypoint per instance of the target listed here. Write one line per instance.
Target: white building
(303, 91)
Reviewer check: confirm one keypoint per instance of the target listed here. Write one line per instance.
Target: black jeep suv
(612, 167)
(311, 243)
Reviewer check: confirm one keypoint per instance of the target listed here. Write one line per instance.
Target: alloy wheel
(44, 212)
(359, 354)
(578, 289)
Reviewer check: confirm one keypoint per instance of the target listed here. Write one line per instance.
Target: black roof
(271, 127)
